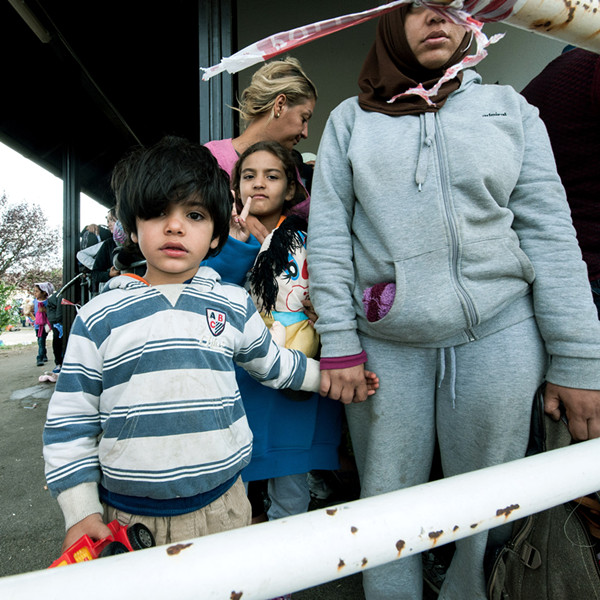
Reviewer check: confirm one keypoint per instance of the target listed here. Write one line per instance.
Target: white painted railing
(270, 559)
(576, 23)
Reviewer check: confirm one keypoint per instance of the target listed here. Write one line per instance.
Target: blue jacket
(290, 436)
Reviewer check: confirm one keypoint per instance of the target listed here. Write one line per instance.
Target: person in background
(442, 255)
(93, 234)
(41, 291)
(309, 158)
(20, 308)
(567, 94)
(29, 312)
(104, 269)
(54, 312)
(305, 170)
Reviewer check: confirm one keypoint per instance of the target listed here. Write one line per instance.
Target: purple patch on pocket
(378, 299)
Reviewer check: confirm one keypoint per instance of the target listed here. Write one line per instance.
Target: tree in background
(9, 310)
(25, 280)
(29, 248)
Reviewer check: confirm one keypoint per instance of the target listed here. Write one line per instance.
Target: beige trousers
(229, 511)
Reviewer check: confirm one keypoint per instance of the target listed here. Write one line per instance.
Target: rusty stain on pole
(575, 22)
(571, 21)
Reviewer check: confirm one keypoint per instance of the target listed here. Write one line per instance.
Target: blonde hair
(283, 76)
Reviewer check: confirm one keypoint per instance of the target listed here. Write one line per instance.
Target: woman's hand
(352, 384)
(237, 226)
(582, 409)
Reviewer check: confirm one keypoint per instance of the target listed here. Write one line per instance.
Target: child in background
(41, 291)
(146, 423)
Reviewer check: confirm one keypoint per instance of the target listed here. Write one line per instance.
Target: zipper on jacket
(471, 313)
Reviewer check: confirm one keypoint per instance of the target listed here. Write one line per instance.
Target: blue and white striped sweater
(147, 402)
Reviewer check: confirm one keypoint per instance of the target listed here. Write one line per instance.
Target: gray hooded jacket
(464, 211)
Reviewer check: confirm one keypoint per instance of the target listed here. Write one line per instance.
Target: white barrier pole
(576, 23)
(268, 560)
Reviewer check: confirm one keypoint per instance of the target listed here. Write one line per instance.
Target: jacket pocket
(378, 300)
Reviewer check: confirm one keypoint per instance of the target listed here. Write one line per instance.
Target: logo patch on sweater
(216, 321)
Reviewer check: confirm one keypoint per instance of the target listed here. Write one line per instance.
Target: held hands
(352, 384)
(92, 525)
(582, 409)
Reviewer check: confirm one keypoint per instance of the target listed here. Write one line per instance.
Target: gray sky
(23, 180)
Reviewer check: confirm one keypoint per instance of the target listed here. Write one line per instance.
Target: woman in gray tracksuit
(442, 252)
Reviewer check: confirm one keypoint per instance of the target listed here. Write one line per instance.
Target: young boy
(146, 423)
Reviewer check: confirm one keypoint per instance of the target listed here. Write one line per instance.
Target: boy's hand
(372, 382)
(92, 525)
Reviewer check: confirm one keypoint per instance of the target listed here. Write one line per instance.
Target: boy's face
(176, 242)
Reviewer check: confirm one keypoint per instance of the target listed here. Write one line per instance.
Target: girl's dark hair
(147, 180)
(289, 168)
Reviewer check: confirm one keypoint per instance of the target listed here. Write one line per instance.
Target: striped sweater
(147, 402)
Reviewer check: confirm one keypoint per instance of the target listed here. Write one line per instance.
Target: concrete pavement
(23, 335)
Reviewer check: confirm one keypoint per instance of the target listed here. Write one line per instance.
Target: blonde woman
(275, 107)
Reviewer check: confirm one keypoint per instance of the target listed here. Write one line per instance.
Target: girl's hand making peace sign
(237, 226)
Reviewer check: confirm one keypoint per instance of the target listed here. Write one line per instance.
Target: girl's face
(432, 38)
(111, 221)
(291, 126)
(39, 295)
(263, 179)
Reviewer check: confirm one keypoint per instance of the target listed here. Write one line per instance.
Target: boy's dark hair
(289, 168)
(147, 180)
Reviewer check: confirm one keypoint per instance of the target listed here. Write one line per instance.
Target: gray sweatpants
(477, 398)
